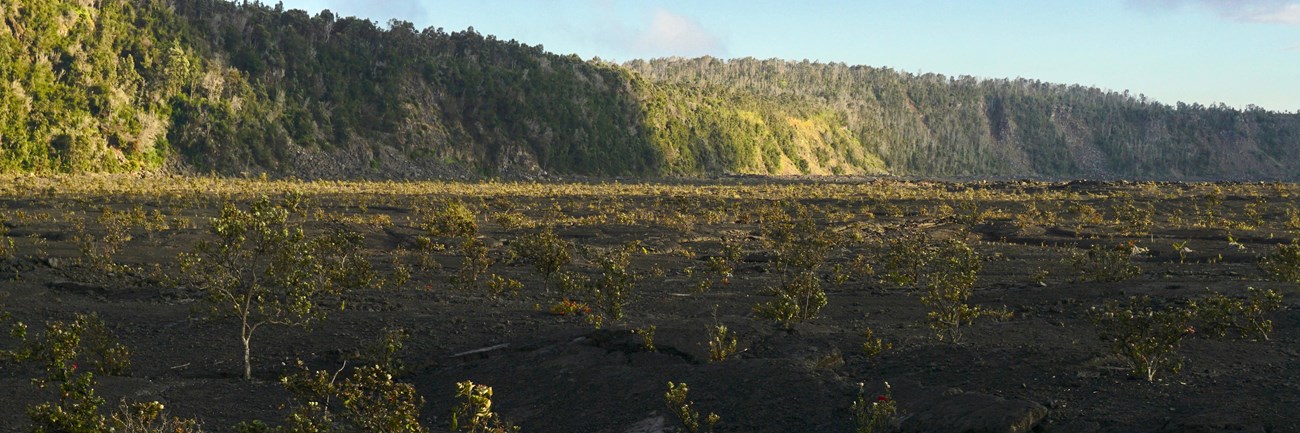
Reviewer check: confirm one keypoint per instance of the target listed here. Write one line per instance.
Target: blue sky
(1236, 52)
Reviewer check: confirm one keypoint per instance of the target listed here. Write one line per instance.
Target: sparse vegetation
(690, 419)
(1105, 263)
(867, 249)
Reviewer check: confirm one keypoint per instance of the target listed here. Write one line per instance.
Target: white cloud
(1285, 12)
(629, 31)
(677, 35)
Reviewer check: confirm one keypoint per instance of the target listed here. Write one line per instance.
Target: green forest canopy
(214, 86)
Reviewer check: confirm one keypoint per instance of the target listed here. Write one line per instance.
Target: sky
(1236, 52)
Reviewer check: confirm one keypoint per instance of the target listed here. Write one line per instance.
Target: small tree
(263, 270)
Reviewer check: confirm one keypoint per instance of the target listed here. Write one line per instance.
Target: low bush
(875, 415)
(1283, 264)
(474, 414)
(722, 343)
(1247, 317)
(1147, 338)
(1105, 264)
(690, 419)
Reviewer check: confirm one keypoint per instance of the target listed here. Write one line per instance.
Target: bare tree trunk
(247, 337)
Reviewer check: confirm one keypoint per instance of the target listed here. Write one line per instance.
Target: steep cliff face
(214, 86)
(940, 126)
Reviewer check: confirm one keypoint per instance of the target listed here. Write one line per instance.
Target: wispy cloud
(1286, 12)
(649, 32)
(674, 34)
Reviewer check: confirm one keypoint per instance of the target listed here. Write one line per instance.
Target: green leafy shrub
(1219, 314)
(99, 251)
(366, 400)
(498, 285)
(875, 415)
(77, 410)
(451, 219)
(722, 343)
(875, 346)
(383, 351)
(148, 417)
(1085, 216)
(948, 285)
(801, 252)
(718, 269)
(1208, 209)
(474, 414)
(475, 262)
(65, 345)
(690, 419)
(615, 287)
(905, 260)
(945, 273)
(7, 250)
(1253, 322)
(61, 348)
(105, 354)
(1283, 264)
(1106, 264)
(568, 307)
(800, 297)
(1145, 337)
(1131, 218)
(548, 252)
(513, 220)
(647, 334)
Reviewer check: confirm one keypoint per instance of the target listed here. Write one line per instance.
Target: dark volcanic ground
(559, 374)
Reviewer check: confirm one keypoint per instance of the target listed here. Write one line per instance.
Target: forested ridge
(213, 86)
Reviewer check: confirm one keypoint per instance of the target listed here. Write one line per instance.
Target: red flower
(881, 399)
